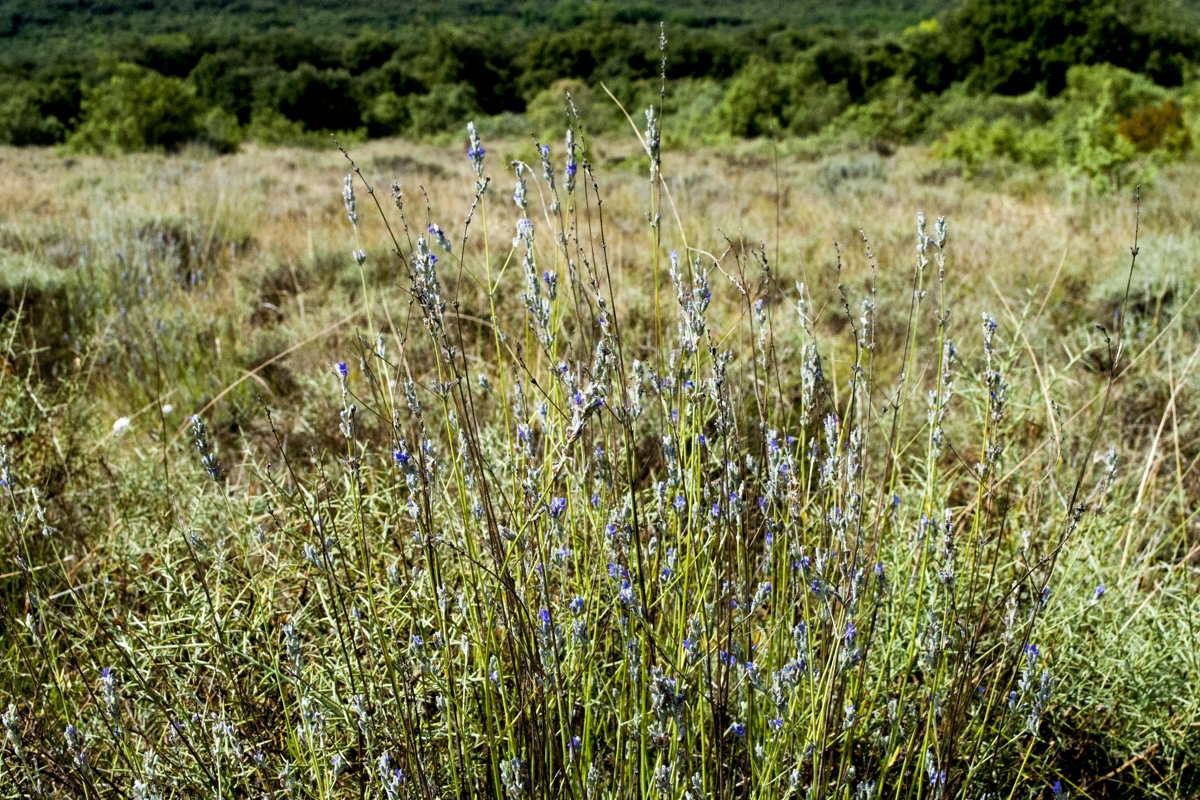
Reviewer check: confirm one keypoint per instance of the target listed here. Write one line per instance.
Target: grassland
(823, 515)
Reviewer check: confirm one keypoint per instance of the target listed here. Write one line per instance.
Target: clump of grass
(736, 538)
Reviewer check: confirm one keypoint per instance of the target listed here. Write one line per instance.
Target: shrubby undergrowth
(745, 538)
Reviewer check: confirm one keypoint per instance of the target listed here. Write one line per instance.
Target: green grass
(719, 510)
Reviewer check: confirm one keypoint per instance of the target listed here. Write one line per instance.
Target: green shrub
(387, 115)
(896, 113)
(22, 123)
(693, 112)
(138, 109)
(318, 99)
(446, 107)
(268, 127)
(767, 99)
(1104, 121)
(220, 130)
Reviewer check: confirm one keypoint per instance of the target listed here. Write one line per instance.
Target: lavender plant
(758, 543)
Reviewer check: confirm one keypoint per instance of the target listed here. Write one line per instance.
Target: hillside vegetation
(988, 80)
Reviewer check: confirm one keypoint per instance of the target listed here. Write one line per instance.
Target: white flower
(120, 426)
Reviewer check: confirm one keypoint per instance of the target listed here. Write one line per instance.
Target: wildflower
(342, 369)
(511, 778)
(208, 458)
(520, 190)
(572, 166)
(558, 505)
(390, 776)
(738, 729)
(439, 234)
(349, 200)
(547, 167)
(5, 465)
(475, 154)
(120, 426)
(75, 747)
(12, 729)
(108, 692)
(652, 142)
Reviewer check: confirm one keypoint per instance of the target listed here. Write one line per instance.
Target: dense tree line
(255, 70)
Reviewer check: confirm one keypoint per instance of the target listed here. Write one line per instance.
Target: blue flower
(738, 729)
(557, 506)
(342, 368)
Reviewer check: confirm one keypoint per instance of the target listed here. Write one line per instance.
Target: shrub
(1159, 127)
(895, 113)
(446, 107)
(767, 99)
(219, 130)
(387, 115)
(137, 109)
(320, 100)
(23, 120)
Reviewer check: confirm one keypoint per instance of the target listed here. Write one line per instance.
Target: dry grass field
(882, 529)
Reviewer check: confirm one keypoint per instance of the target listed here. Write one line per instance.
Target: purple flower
(557, 506)
(1100, 590)
(342, 368)
(544, 617)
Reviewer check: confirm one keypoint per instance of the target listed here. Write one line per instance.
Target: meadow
(759, 470)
